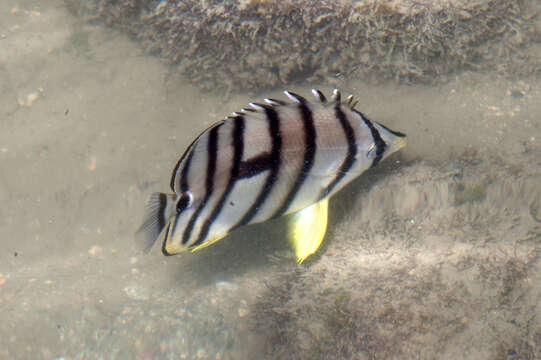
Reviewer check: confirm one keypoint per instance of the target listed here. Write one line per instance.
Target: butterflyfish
(271, 159)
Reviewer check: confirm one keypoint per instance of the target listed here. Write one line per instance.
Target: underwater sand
(433, 255)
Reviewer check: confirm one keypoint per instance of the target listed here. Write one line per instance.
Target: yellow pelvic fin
(307, 229)
(209, 241)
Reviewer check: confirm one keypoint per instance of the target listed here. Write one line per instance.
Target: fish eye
(184, 201)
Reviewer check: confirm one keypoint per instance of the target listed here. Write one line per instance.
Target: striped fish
(272, 159)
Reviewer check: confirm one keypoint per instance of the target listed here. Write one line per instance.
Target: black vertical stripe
(237, 142)
(308, 160)
(185, 159)
(164, 251)
(187, 155)
(175, 169)
(274, 132)
(378, 141)
(255, 165)
(184, 173)
(352, 150)
(212, 152)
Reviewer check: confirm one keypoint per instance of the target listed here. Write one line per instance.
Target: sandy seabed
(435, 254)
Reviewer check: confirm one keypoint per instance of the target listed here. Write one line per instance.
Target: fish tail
(158, 210)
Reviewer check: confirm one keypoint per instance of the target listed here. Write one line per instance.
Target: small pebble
(93, 163)
(517, 94)
(243, 312)
(95, 250)
(226, 286)
(201, 354)
(29, 100)
(136, 293)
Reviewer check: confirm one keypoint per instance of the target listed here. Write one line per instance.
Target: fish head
(165, 217)
(174, 241)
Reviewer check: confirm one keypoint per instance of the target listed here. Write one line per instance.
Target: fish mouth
(166, 249)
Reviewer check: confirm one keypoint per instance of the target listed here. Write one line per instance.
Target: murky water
(433, 255)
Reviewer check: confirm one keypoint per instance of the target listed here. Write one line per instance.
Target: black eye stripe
(183, 202)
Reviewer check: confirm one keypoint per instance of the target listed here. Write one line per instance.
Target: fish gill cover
(259, 43)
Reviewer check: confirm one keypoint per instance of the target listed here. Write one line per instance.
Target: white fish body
(272, 160)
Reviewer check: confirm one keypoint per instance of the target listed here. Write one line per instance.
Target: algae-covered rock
(411, 275)
(259, 43)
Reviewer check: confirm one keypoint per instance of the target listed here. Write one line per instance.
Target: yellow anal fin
(307, 229)
(209, 241)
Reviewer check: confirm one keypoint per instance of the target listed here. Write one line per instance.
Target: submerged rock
(256, 44)
(460, 279)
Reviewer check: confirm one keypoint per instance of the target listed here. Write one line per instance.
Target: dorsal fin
(319, 95)
(258, 106)
(295, 97)
(274, 102)
(351, 102)
(336, 96)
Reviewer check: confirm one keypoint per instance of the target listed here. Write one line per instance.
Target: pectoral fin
(307, 229)
(157, 213)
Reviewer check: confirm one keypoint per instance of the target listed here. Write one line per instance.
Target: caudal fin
(157, 213)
